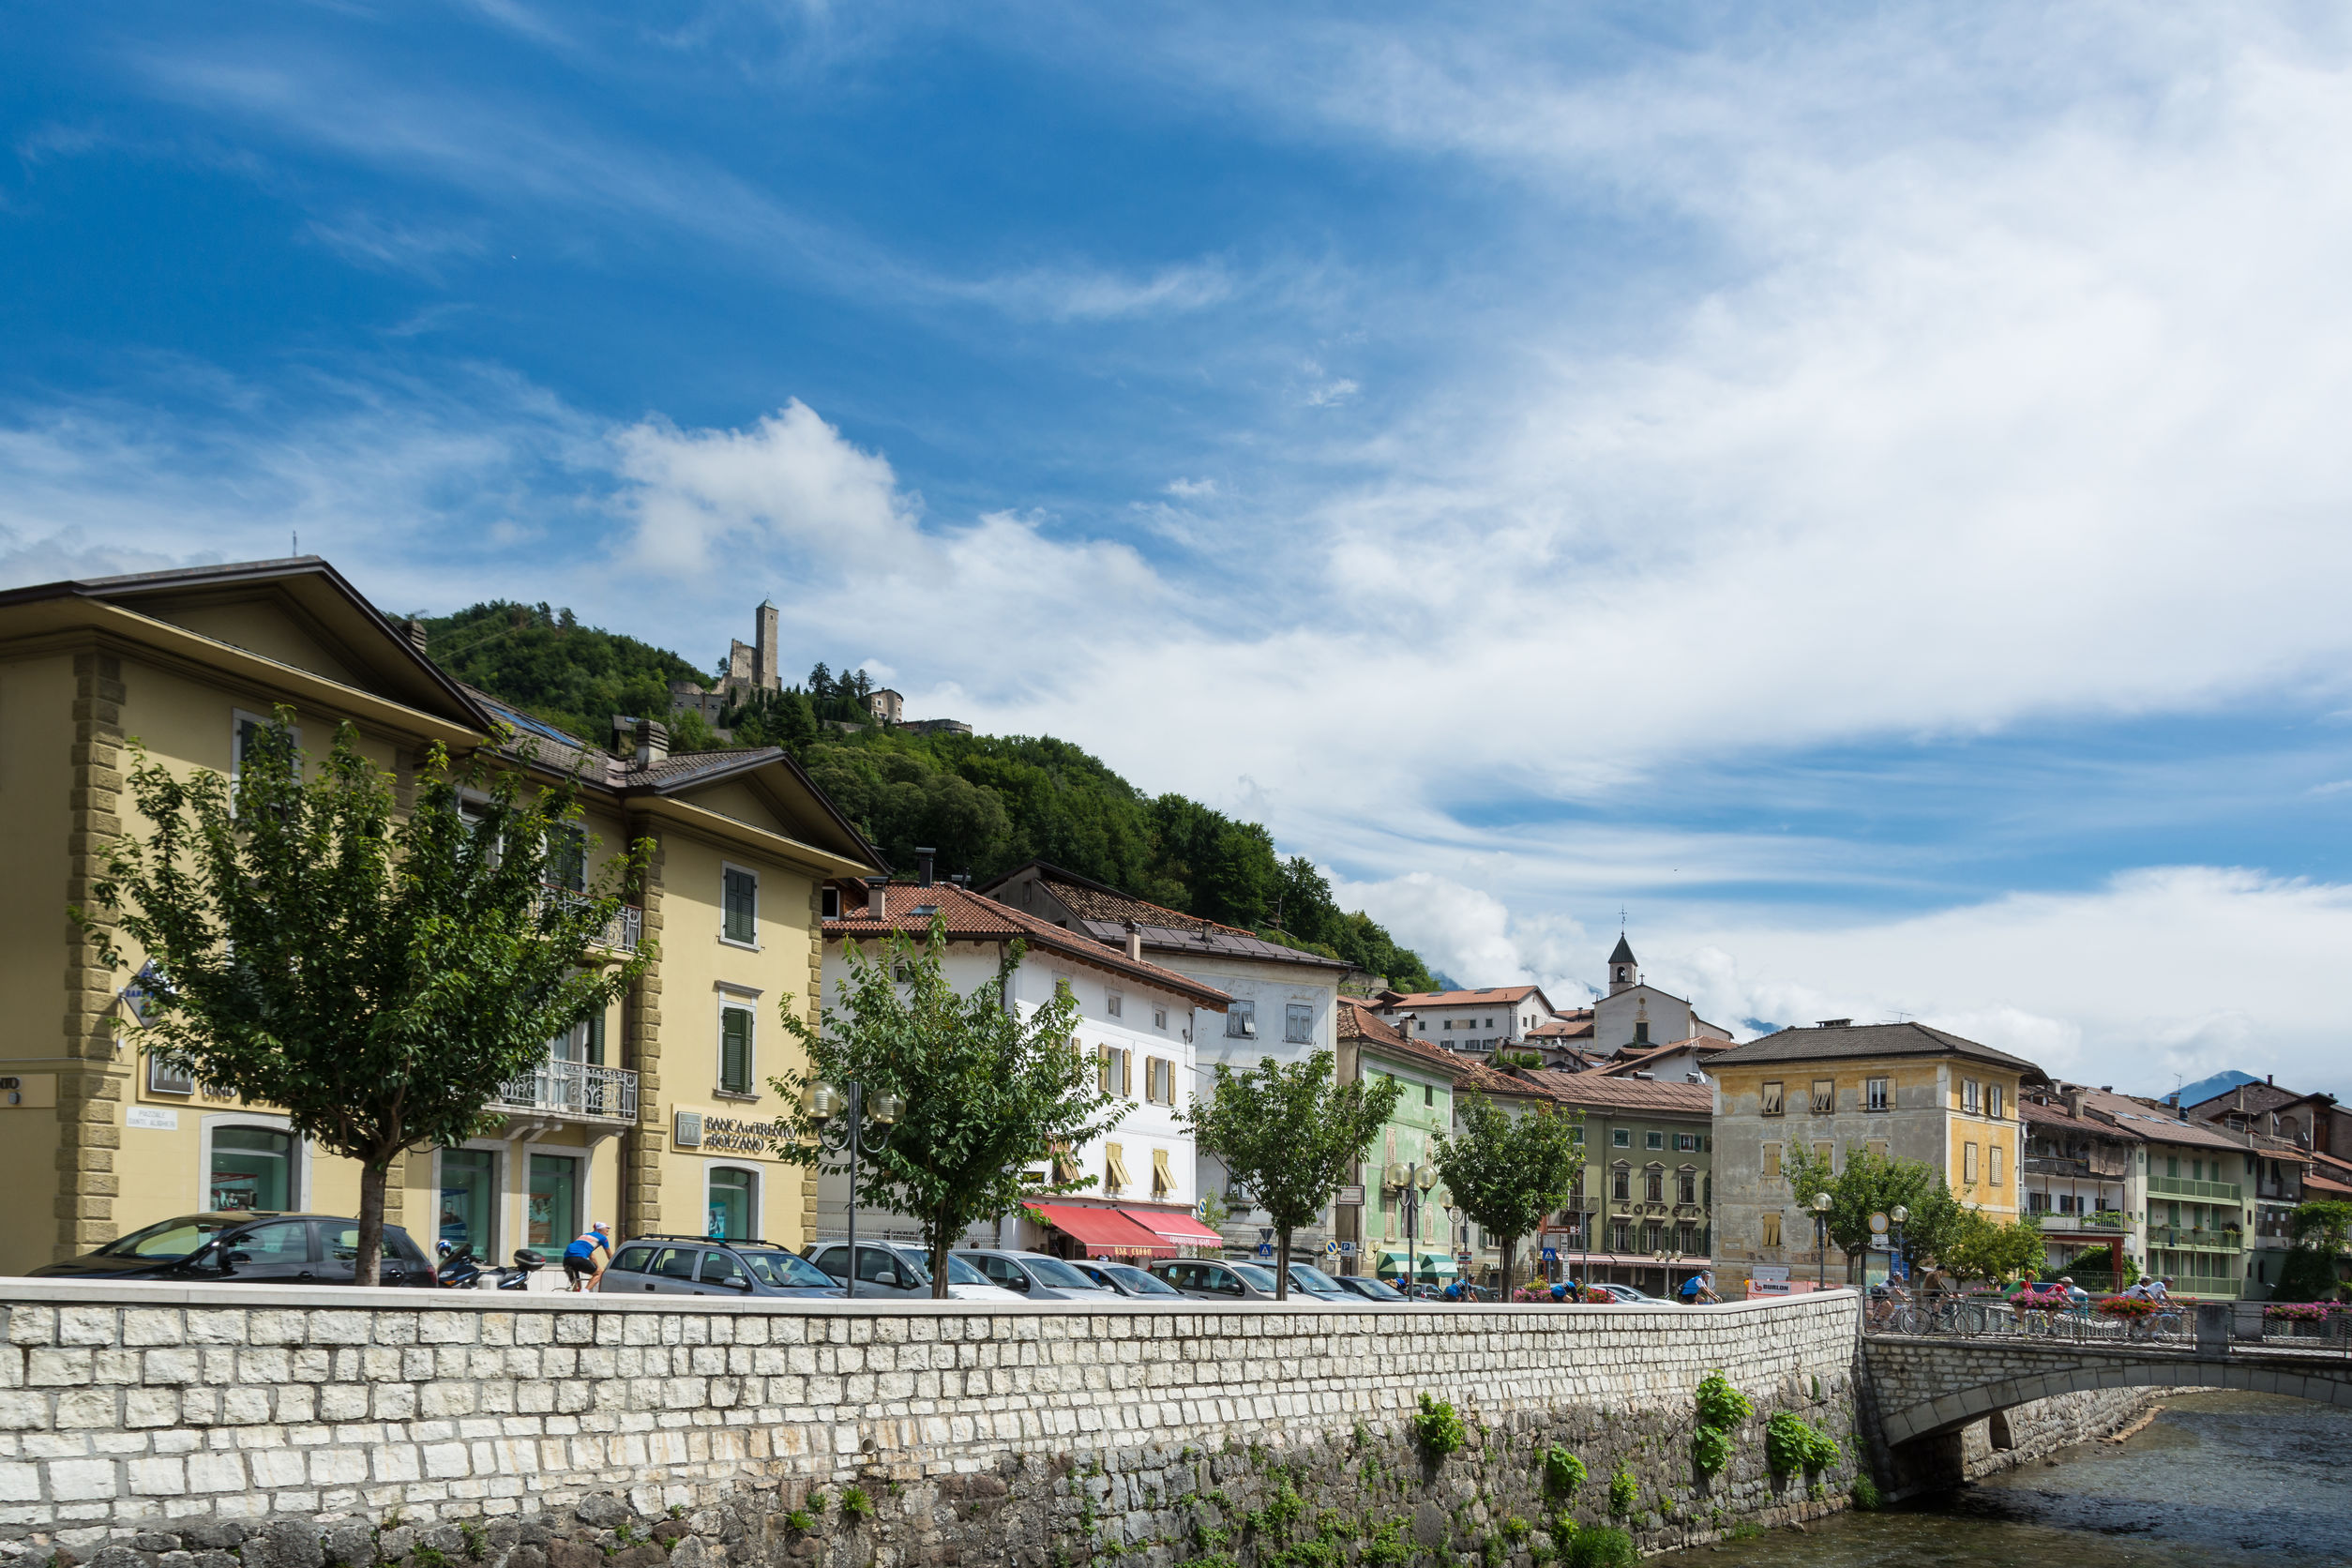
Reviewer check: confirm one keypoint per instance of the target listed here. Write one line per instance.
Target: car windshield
(168, 1238)
(785, 1270)
(1307, 1276)
(1054, 1271)
(1378, 1289)
(959, 1273)
(1138, 1283)
(1262, 1279)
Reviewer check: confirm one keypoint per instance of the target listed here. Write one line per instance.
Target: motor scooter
(461, 1271)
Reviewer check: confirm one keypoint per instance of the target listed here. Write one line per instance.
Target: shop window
(732, 1201)
(252, 1169)
(551, 1216)
(468, 1200)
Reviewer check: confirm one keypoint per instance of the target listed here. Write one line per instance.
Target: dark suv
(709, 1266)
(246, 1248)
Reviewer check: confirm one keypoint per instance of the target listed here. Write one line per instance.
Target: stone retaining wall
(1004, 1435)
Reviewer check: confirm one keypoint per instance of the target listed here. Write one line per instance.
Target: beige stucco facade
(101, 1139)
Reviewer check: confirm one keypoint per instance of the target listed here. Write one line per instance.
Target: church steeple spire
(1623, 971)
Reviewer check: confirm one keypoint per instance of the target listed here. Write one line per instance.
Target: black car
(246, 1248)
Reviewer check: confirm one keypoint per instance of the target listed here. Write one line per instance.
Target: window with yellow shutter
(1967, 1162)
(1878, 1147)
(1114, 1167)
(1102, 1069)
(1822, 1157)
(1995, 1172)
(1126, 1075)
(1771, 1162)
(1768, 1100)
(1771, 1231)
(1163, 1179)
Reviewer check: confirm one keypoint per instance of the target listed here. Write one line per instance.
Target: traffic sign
(1331, 1249)
(1551, 1255)
(1265, 1249)
(1347, 1249)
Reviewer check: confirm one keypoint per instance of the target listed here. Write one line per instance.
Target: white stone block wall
(126, 1403)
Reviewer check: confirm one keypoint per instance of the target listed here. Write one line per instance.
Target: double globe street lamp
(843, 1116)
(1821, 1241)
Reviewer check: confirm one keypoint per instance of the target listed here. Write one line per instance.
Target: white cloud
(1192, 489)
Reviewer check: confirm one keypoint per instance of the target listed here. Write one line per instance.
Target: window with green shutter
(740, 898)
(734, 1049)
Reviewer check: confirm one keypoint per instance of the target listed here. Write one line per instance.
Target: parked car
(1128, 1280)
(1036, 1276)
(706, 1266)
(246, 1248)
(1377, 1290)
(1212, 1279)
(1629, 1296)
(1307, 1277)
(895, 1269)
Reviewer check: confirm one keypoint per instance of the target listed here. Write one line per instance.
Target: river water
(2216, 1481)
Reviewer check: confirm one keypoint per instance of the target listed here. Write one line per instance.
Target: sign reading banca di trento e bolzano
(727, 1134)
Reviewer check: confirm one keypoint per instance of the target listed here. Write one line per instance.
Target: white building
(1281, 1003)
(1135, 1020)
(1636, 1014)
(1469, 1022)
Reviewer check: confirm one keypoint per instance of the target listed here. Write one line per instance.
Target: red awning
(1182, 1228)
(1102, 1229)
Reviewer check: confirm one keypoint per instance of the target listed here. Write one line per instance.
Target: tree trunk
(1282, 1264)
(368, 1268)
(939, 1238)
(1509, 1247)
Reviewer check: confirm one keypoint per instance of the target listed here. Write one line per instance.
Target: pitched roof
(1566, 1026)
(1637, 1062)
(1867, 1040)
(1625, 953)
(2153, 1122)
(1105, 911)
(2255, 1098)
(1495, 997)
(975, 917)
(1600, 1091)
(1358, 1022)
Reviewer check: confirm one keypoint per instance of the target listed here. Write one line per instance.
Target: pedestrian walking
(585, 1260)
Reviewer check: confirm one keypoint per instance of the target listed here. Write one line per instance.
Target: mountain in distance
(2220, 1084)
(986, 803)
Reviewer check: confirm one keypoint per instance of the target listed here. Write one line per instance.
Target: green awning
(1433, 1265)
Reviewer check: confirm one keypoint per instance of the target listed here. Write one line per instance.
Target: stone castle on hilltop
(752, 668)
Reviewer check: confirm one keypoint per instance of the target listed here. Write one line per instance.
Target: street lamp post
(1899, 1213)
(841, 1115)
(1417, 1184)
(1821, 1241)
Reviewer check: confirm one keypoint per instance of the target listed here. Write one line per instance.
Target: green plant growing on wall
(1710, 1449)
(1866, 1495)
(1564, 1472)
(1623, 1492)
(1792, 1443)
(801, 1520)
(856, 1503)
(1602, 1546)
(1438, 1428)
(1721, 1410)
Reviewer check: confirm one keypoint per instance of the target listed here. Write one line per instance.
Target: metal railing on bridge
(2172, 1325)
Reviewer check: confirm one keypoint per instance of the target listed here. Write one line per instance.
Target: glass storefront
(468, 1199)
(252, 1168)
(730, 1203)
(552, 1213)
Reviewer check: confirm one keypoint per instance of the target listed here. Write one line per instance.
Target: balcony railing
(2180, 1186)
(621, 933)
(579, 1088)
(2103, 1222)
(2195, 1240)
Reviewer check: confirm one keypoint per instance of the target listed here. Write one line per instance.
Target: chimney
(1135, 941)
(653, 744)
(923, 866)
(875, 909)
(414, 630)
(2074, 1101)
(1834, 1024)
(2270, 1078)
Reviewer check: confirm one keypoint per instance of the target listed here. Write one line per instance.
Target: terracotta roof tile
(1599, 1090)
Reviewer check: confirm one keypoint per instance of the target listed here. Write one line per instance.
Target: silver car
(1036, 1276)
(892, 1269)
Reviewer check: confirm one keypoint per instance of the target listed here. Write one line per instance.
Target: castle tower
(765, 650)
(1625, 974)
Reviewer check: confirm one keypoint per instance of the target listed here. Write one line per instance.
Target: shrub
(1792, 1443)
(1710, 1449)
(1623, 1492)
(1388, 1548)
(1602, 1546)
(1564, 1472)
(856, 1503)
(1439, 1430)
(1720, 1404)
(1515, 1530)
(2124, 1306)
(1867, 1496)
(800, 1519)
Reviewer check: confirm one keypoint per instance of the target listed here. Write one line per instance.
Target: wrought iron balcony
(621, 933)
(574, 1089)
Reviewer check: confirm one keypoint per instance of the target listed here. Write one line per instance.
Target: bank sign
(725, 1134)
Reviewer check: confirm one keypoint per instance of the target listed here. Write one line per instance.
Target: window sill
(740, 946)
(739, 1095)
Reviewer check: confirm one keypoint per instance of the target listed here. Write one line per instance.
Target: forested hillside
(986, 803)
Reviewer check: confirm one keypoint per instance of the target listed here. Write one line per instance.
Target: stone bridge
(1924, 1389)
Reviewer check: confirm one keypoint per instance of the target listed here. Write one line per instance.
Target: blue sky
(1859, 488)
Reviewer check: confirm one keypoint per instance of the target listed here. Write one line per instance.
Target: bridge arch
(1951, 1411)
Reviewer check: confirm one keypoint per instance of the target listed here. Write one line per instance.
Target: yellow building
(1900, 1090)
(642, 1117)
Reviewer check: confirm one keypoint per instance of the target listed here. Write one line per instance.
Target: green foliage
(1719, 1404)
(856, 1503)
(1388, 1548)
(1506, 1173)
(1982, 1248)
(1564, 1472)
(1602, 1546)
(1515, 1530)
(2322, 1223)
(1710, 1449)
(432, 1557)
(1438, 1429)
(1866, 1495)
(1873, 1183)
(801, 1520)
(1792, 1443)
(2308, 1274)
(1623, 1492)
(476, 1539)
(378, 978)
(1290, 1136)
(545, 662)
(989, 1092)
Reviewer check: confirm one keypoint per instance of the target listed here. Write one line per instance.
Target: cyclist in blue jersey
(586, 1257)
